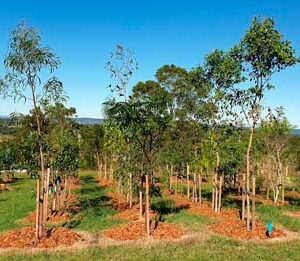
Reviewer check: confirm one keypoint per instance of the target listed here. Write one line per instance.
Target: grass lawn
(96, 215)
(17, 203)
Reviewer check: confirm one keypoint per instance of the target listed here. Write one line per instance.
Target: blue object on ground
(269, 227)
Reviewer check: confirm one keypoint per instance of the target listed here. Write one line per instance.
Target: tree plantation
(192, 164)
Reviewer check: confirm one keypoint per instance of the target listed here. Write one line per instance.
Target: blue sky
(83, 33)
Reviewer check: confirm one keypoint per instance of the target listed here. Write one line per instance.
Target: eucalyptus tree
(262, 52)
(27, 60)
(275, 133)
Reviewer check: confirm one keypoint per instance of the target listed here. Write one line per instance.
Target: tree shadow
(92, 199)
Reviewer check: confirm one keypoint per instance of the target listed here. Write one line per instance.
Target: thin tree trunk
(253, 201)
(200, 188)
(46, 193)
(243, 196)
(141, 198)
(213, 193)
(220, 193)
(147, 206)
(188, 180)
(248, 176)
(130, 190)
(194, 189)
(37, 223)
(283, 184)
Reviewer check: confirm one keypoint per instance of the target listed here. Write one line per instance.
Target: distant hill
(296, 132)
(88, 121)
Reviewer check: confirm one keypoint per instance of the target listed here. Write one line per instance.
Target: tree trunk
(188, 180)
(220, 193)
(283, 184)
(170, 177)
(105, 170)
(46, 193)
(248, 176)
(37, 223)
(253, 201)
(147, 206)
(141, 198)
(176, 191)
(200, 188)
(130, 190)
(213, 193)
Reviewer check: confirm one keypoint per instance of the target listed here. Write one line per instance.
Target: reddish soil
(136, 230)
(237, 229)
(132, 214)
(25, 238)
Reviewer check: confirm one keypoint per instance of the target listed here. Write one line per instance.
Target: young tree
(27, 59)
(262, 52)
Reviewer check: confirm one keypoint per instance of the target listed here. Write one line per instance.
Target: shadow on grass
(95, 209)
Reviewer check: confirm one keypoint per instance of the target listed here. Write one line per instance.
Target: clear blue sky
(83, 33)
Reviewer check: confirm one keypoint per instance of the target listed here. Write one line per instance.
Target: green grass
(17, 203)
(277, 215)
(96, 215)
(216, 248)
(96, 212)
(192, 222)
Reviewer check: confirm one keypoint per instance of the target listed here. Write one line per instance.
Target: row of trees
(203, 122)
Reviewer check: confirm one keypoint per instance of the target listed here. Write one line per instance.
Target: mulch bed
(259, 200)
(132, 214)
(8, 180)
(206, 210)
(57, 218)
(74, 184)
(136, 230)
(4, 187)
(104, 182)
(25, 238)
(237, 229)
(118, 201)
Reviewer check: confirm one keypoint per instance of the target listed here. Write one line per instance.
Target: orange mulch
(259, 199)
(118, 200)
(136, 230)
(53, 219)
(206, 210)
(132, 214)
(74, 184)
(25, 238)
(8, 180)
(4, 187)
(292, 195)
(237, 229)
(104, 182)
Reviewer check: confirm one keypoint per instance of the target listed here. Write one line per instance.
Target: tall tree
(262, 52)
(27, 59)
